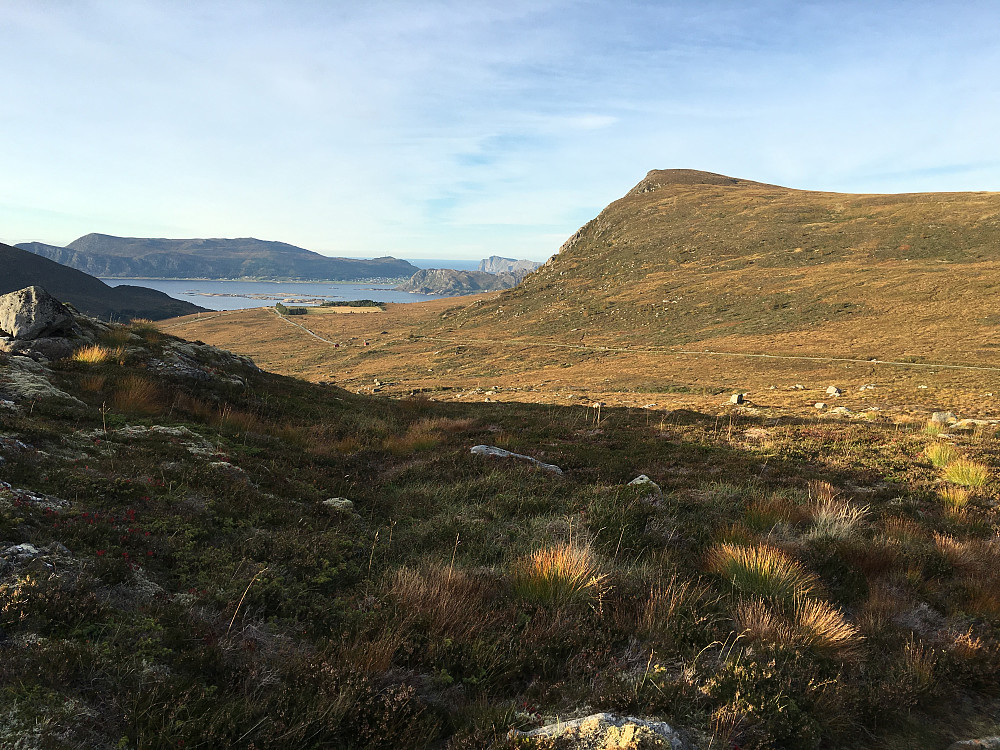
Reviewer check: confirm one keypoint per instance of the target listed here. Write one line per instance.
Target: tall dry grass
(761, 570)
(559, 575)
(134, 394)
(941, 454)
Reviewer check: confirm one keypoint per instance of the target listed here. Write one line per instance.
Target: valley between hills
(721, 474)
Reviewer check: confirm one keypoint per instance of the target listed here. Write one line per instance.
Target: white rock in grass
(944, 417)
(608, 730)
(339, 504)
(645, 483)
(490, 450)
(819, 405)
(833, 391)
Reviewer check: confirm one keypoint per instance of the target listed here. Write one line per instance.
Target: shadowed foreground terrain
(195, 553)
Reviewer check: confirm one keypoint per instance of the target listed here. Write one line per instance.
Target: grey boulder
(31, 313)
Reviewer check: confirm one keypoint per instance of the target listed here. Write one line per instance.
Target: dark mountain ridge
(87, 294)
(241, 258)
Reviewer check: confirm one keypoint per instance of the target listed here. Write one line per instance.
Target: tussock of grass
(835, 518)
(824, 629)
(117, 335)
(94, 354)
(762, 571)
(961, 555)
(967, 473)
(449, 600)
(420, 436)
(941, 454)
(955, 497)
(559, 575)
(135, 394)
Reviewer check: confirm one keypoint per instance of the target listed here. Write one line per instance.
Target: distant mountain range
(87, 294)
(245, 258)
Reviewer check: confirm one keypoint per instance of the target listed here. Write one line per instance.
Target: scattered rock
(833, 391)
(797, 387)
(31, 313)
(819, 405)
(944, 417)
(737, 398)
(841, 410)
(607, 731)
(645, 483)
(23, 379)
(970, 424)
(983, 743)
(490, 450)
(867, 387)
(339, 504)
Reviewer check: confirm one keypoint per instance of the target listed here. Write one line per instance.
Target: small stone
(983, 743)
(833, 391)
(645, 483)
(819, 405)
(737, 398)
(798, 387)
(339, 504)
(944, 417)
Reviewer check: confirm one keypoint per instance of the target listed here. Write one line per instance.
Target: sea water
(238, 295)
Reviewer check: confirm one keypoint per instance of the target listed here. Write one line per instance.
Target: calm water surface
(238, 295)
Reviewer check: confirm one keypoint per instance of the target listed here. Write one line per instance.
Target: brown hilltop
(691, 262)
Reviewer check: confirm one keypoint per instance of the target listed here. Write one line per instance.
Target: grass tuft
(955, 497)
(835, 518)
(135, 394)
(94, 354)
(967, 473)
(941, 454)
(559, 575)
(762, 571)
(824, 629)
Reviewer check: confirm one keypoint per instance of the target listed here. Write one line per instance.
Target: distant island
(87, 294)
(244, 258)
(494, 274)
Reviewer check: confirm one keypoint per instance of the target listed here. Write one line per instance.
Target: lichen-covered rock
(23, 379)
(491, 450)
(606, 731)
(31, 313)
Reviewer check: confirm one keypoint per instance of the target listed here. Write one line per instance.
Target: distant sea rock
(449, 282)
(244, 258)
(496, 264)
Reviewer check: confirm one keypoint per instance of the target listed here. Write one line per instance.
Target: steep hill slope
(689, 256)
(138, 257)
(87, 294)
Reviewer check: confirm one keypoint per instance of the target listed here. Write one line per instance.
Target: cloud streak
(447, 128)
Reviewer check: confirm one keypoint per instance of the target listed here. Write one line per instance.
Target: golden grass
(134, 394)
(761, 570)
(824, 629)
(94, 354)
(967, 473)
(559, 575)
(228, 419)
(93, 383)
(955, 497)
(757, 620)
(941, 454)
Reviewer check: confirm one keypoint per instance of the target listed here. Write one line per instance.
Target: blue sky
(466, 129)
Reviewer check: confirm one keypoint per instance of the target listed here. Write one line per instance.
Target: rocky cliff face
(497, 264)
(449, 282)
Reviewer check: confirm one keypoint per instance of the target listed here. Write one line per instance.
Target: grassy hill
(86, 293)
(138, 257)
(690, 286)
(194, 552)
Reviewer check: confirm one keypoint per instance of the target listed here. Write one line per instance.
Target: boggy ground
(172, 577)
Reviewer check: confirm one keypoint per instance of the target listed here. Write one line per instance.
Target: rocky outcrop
(448, 282)
(31, 313)
(496, 264)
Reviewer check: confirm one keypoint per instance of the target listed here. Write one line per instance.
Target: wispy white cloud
(436, 128)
